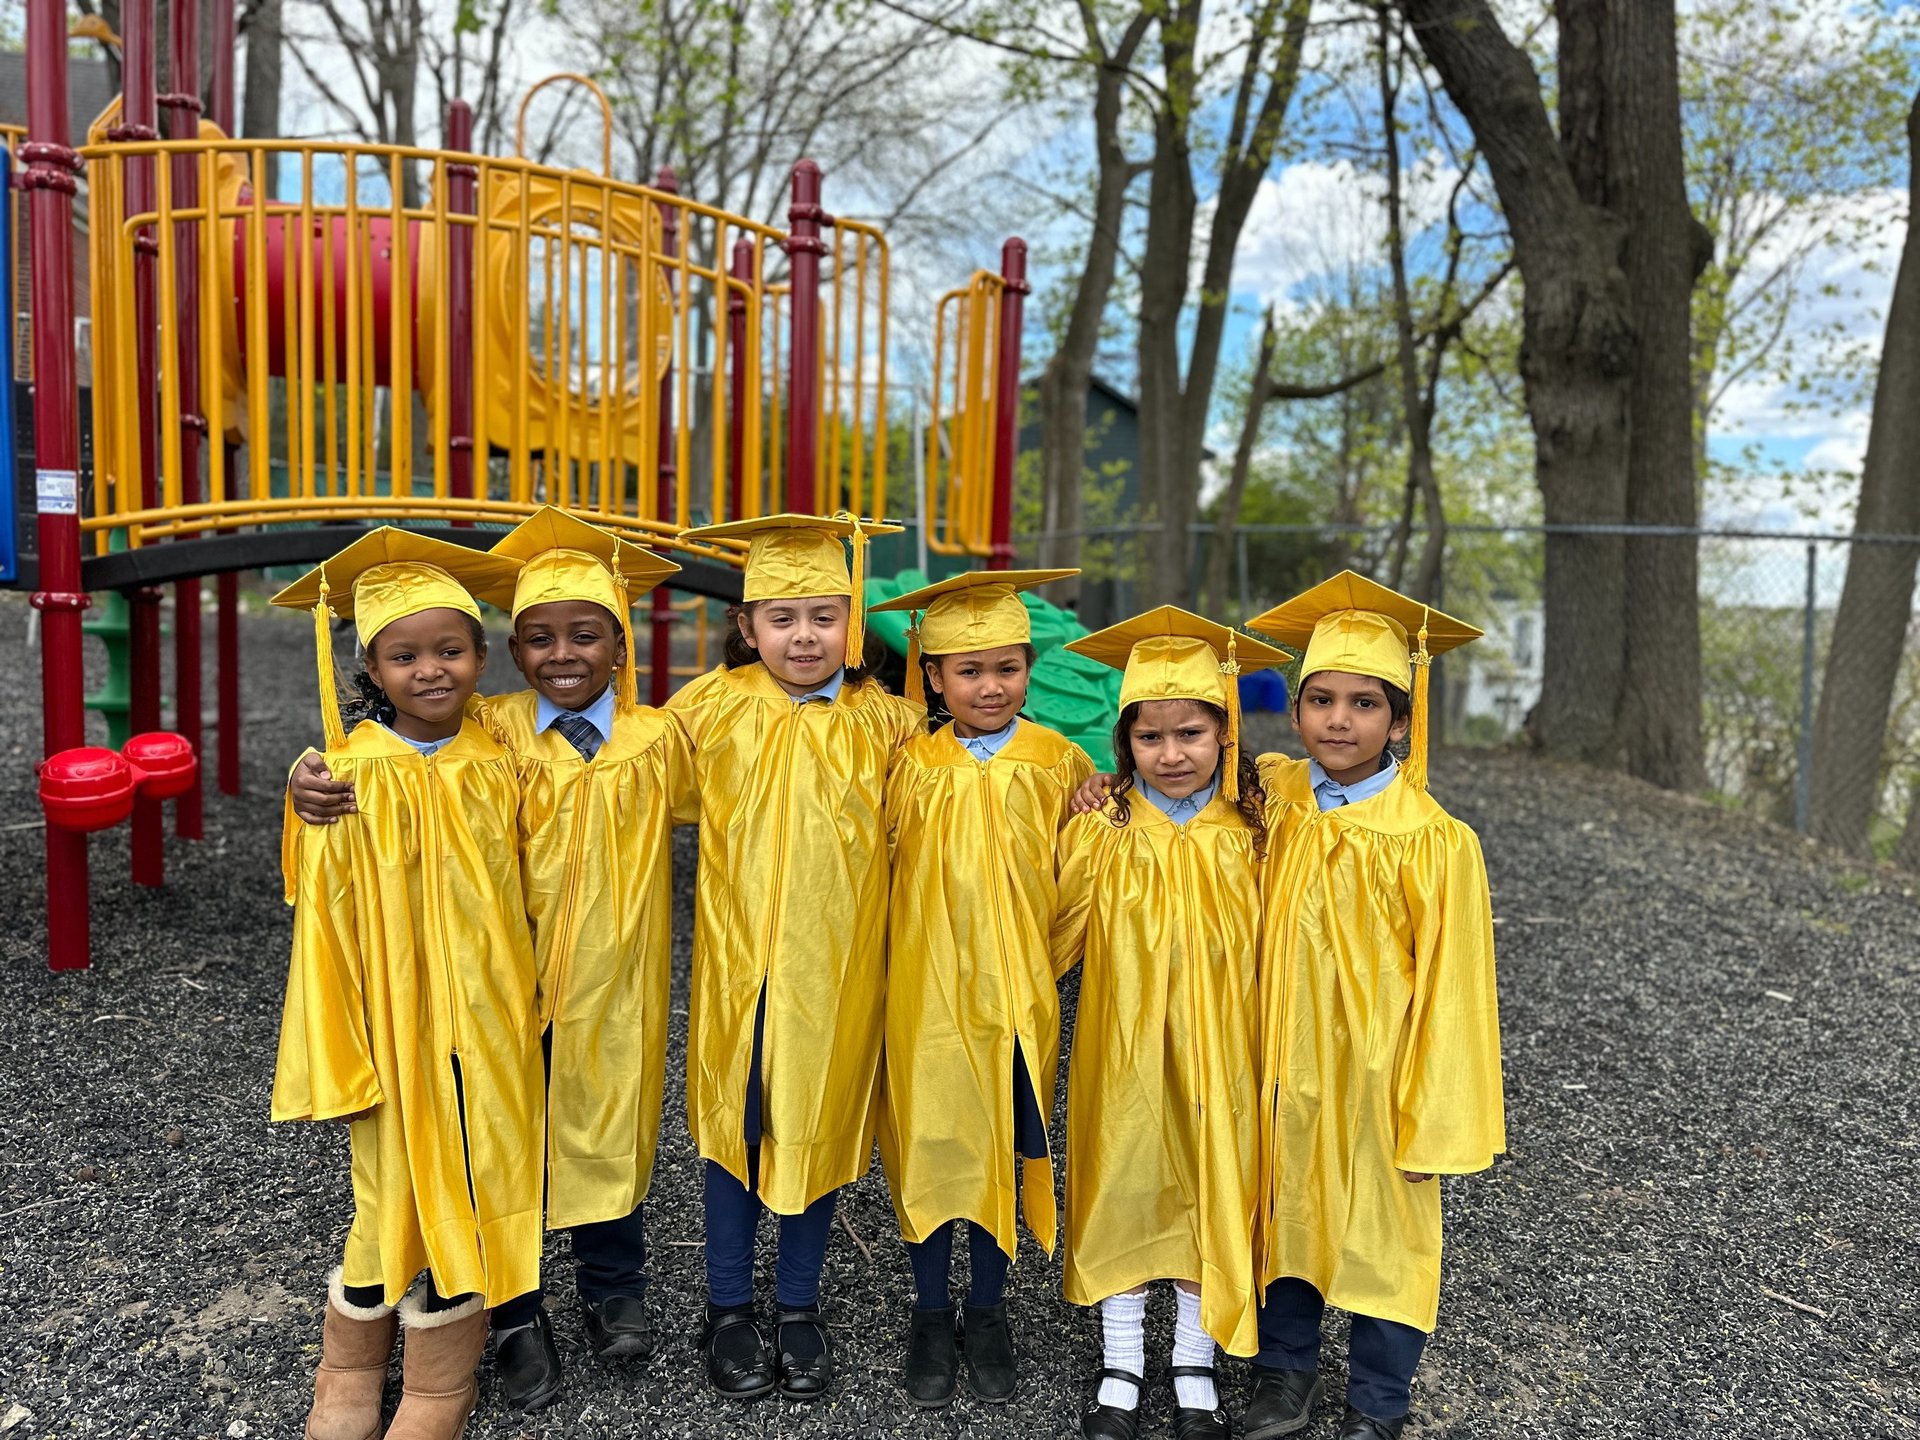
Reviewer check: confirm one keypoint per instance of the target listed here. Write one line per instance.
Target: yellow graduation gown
(1381, 1040)
(595, 852)
(792, 900)
(1160, 1088)
(411, 997)
(970, 973)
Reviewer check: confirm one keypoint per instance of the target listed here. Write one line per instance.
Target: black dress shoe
(933, 1359)
(739, 1363)
(619, 1326)
(1192, 1422)
(1355, 1426)
(806, 1354)
(986, 1345)
(529, 1364)
(1111, 1422)
(1281, 1404)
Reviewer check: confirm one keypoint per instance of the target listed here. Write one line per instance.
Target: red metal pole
(737, 389)
(462, 199)
(660, 669)
(49, 181)
(227, 584)
(1013, 303)
(183, 107)
(804, 249)
(139, 121)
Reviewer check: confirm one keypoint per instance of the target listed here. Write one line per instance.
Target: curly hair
(1250, 803)
(735, 652)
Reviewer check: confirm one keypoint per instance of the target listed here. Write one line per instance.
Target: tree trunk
(1227, 517)
(1646, 187)
(1876, 603)
(260, 108)
(1163, 293)
(1068, 376)
(1576, 362)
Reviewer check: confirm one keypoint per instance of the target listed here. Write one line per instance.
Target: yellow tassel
(1230, 756)
(331, 725)
(626, 683)
(916, 670)
(1415, 770)
(857, 602)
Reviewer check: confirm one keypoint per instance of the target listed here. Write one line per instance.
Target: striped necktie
(581, 733)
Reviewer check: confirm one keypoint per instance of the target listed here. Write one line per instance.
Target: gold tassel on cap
(916, 668)
(331, 726)
(857, 602)
(1414, 772)
(1230, 754)
(626, 683)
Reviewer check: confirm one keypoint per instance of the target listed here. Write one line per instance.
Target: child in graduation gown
(1381, 1058)
(603, 781)
(1159, 893)
(410, 997)
(974, 810)
(791, 745)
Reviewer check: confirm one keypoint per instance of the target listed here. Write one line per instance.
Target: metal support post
(660, 668)
(1803, 767)
(183, 123)
(804, 249)
(737, 388)
(1013, 299)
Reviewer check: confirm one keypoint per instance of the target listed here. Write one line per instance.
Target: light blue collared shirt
(828, 692)
(1330, 794)
(599, 714)
(1184, 809)
(984, 747)
(425, 747)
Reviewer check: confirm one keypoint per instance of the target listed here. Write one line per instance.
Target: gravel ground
(1705, 1226)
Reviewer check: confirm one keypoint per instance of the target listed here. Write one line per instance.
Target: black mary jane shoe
(620, 1327)
(986, 1348)
(529, 1364)
(1192, 1422)
(739, 1362)
(1281, 1404)
(805, 1368)
(1111, 1422)
(933, 1358)
(1355, 1426)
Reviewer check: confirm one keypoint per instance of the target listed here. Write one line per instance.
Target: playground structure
(293, 341)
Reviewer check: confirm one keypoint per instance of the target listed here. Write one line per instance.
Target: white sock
(1191, 1346)
(1123, 1336)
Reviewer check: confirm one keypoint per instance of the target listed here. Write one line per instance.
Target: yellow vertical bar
(358, 421)
(683, 375)
(330, 358)
(828, 465)
(563, 370)
(753, 467)
(856, 480)
(441, 417)
(610, 355)
(299, 269)
(477, 307)
(166, 343)
(719, 418)
(776, 432)
(880, 383)
(399, 329)
(212, 379)
(522, 241)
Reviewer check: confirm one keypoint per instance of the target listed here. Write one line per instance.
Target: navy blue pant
(1381, 1357)
(932, 1261)
(733, 1217)
(610, 1258)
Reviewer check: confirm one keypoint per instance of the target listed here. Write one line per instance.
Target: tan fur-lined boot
(438, 1359)
(356, 1342)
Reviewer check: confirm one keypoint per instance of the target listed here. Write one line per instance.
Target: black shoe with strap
(529, 1364)
(986, 1348)
(739, 1363)
(1112, 1422)
(1355, 1426)
(933, 1358)
(1193, 1422)
(806, 1354)
(621, 1326)
(1281, 1404)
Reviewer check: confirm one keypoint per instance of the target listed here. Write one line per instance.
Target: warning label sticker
(58, 492)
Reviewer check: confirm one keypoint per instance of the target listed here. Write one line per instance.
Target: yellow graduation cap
(384, 576)
(562, 557)
(793, 557)
(980, 610)
(1173, 654)
(1353, 624)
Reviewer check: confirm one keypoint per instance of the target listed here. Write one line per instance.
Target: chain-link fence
(1767, 603)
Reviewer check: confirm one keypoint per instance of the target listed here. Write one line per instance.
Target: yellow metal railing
(961, 429)
(601, 354)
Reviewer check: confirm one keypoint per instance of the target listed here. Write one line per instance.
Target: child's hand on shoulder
(1091, 795)
(318, 798)
(1414, 1177)
(355, 1117)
